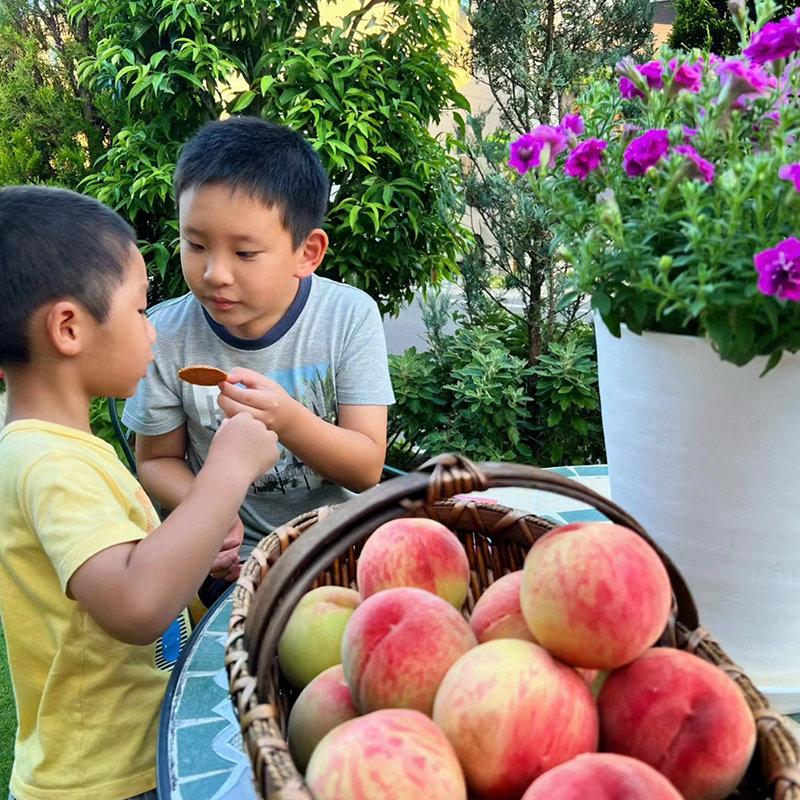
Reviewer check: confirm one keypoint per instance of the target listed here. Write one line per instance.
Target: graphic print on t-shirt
(314, 387)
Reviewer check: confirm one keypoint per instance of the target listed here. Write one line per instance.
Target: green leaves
(365, 100)
(679, 256)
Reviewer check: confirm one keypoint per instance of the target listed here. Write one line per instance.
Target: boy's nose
(217, 272)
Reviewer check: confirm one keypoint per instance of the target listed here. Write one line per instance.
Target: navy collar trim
(275, 333)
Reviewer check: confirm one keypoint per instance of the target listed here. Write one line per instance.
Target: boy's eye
(193, 246)
(246, 254)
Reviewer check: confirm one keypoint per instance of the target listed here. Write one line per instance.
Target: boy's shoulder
(177, 311)
(341, 296)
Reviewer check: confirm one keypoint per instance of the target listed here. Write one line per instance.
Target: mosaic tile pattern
(202, 738)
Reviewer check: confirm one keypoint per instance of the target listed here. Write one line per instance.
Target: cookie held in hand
(202, 376)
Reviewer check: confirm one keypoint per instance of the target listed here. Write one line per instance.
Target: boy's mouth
(221, 302)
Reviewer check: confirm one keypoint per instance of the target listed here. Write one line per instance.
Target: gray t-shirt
(328, 349)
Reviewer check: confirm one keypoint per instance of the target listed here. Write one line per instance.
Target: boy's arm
(350, 454)
(134, 591)
(165, 475)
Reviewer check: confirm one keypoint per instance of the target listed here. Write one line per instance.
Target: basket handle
(293, 573)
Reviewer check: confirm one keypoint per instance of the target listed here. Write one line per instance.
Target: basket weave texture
(325, 547)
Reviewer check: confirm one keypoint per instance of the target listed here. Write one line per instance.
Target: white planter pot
(707, 457)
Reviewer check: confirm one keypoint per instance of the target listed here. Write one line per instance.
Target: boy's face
(120, 348)
(238, 258)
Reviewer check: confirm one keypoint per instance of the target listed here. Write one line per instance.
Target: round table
(200, 755)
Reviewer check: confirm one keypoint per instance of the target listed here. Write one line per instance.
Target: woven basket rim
(268, 751)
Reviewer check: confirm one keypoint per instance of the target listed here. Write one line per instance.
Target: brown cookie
(202, 376)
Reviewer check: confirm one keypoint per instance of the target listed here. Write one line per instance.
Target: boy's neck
(47, 397)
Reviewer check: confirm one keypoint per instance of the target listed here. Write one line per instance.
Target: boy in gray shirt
(305, 355)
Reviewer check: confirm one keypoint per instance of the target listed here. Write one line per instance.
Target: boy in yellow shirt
(91, 585)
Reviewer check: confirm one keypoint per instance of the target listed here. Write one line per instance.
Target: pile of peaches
(550, 690)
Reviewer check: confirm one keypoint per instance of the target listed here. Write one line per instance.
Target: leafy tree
(364, 94)
(533, 55)
(705, 24)
(49, 130)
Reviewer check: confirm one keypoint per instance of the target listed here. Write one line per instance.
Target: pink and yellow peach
(419, 553)
(602, 776)
(512, 712)
(497, 614)
(596, 596)
(395, 754)
(321, 706)
(398, 646)
(684, 717)
(312, 639)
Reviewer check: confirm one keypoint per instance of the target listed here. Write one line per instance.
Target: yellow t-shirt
(87, 704)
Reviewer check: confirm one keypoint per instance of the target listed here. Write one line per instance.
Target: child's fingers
(251, 379)
(231, 407)
(248, 397)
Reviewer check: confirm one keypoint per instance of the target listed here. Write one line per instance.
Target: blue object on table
(200, 755)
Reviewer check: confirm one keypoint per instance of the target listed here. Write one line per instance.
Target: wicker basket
(496, 540)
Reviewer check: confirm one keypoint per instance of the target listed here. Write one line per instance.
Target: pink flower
(779, 270)
(700, 168)
(688, 77)
(688, 133)
(774, 41)
(790, 172)
(628, 90)
(652, 73)
(584, 158)
(645, 151)
(526, 152)
(572, 123)
(522, 154)
(741, 79)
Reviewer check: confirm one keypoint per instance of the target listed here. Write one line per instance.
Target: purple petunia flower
(522, 152)
(645, 151)
(652, 73)
(790, 172)
(688, 133)
(584, 158)
(572, 123)
(526, 152)
(775, 40)
(700, 168)
(687, 77)
(631, 74)
(628, 90)
(740, 79)
(779, 270)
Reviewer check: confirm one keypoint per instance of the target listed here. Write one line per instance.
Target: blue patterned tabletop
(200, 755)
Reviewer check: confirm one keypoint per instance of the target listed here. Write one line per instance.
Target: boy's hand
(265, 399)
(246, 444)
(227, 565)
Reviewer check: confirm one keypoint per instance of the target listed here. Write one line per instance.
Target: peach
(512, 712)
(312, 639)
(596, 596)
(325, 703)
(602, 776)
(497, 614)
(420, 553)
(398, 646)
(684, 717)
(395, 754)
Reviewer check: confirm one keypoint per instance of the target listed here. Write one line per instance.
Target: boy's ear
(65, 326)
(312, 251)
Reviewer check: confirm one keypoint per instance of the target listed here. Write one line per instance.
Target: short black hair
(55, 244)
(267, 161)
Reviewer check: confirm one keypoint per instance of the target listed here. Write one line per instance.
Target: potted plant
(676, 199)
